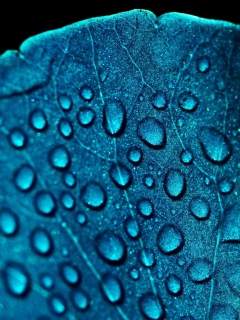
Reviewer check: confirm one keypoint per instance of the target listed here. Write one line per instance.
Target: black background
(18, 22)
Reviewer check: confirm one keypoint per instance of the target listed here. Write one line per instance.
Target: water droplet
(69, 179)
(230, 227)
(152, 132)
(114, 117)
(134, 274)
(16, 279)
(174, 285)
(41, 241)
(186, 156)
(180, 122)
(93, 195)
(200, 270)
(70, 274)
(223, 312)
(131, 228)
(65, 102)
(188, 101)
(46, 281)
(146, 257)
(203, 64)
(151, 306)
(81, 218)
(80, 300)
(9, 223)
(57, 304)
(174, 183)
(225, 186)
(65, 128)
(17, 138)
(207, 181)
(181, 261)
(59, 158)
(45, 203)
(199, 208)
(103, 75)
(159, 100)
(148, 181)
(67, 201)
(111, 247)
(38, 120)
(170, 239)
(215, 145)
(120, 175)
(86, 93)
(86, 116)
(112, 288)
(24, 178)
(145, 208)
(135, 155)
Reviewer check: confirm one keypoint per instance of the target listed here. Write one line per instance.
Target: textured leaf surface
(120, 162)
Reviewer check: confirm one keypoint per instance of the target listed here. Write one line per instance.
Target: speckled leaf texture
(120, 161)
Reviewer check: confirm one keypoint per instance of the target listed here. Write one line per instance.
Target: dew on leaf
(146, 257)
(111, 247)
(38, 120)
(135, 155)
(173, 285)
(9, 223)
(65, 128)
(69, 179)
(145, 208)
(67, 201)
(59, 158)
(24, 178)
(148, 181)
(114, 117)
(174, 183)
(203, 64)
(93, 195)
(170, 239)
(57, 304)
(152, 132)
(225, 186)
(70, 274)
(80, 299)
(188, 101)
(86, 116)
(134, 274)
(151, 306)
(46, 281)
(216, 147)
(200, 270)
(199, 208)
(159, 100)
(86, 93)
(17, 138)
(65, 102)
(120, 175)
(131, 227)
(45, 203)
(112, 288)
(41, 241)
(186, 156)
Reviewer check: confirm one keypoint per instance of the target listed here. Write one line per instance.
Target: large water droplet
(16, 279)
(65, 102)
(174, 183)
(80, 300)
(225, 186)
(38, 120)
(59, 158)
(151, 307)
(223, 312)
(111, 247)
(93, 195)
(146, 257)
(230, 226)
(159, 100)
(24, 178)
(200, 270)
(145, 208)
(188, 101)
(174, 285)
(199, 208)
(86, 116)
(186, 156)
(203, 64)
(8, 222)
(69, 179)
(112, 288)
(67, 201)
(131, 228)
(41, 241)
(65, 128)
(45, 203)
(135, 155)
(46, 281)
(114, 117)
(170, 239)
(215, 145)
(17, 138)
(86, 93)
(120, 175)
(152, 132)
(70, 274)
(57, 304)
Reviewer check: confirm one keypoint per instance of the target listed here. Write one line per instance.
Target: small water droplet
(170, 239)
(93, 195)
(152, 132)
(24, 178)
(112, 288)
(46, 281)
(203, 64)
(132, 228)
(151, 306)
(146, 257)
(159, 100)
(86, 116)
(120, 175)
(199, 208)
(69, 179)
(67, 201)
(186, 156)
(135, 155)
(17, 138)
(38, 120)
(145, 208)
(65, 102)
(59, 158)
(57, 304)
(114, 117)
(148, 181)
(81, 218)
(70, 274)
(45, 203)
(174, 285)
(41, 241)
(80, 299)
(86, 93)
(103, 75)
(174, 183)
(65, 128)
(188, 101)
(9, 223)
(200, 270)
(180, 122)
(225, 186)
(134, 274)
(207, 181)
(180, 261)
